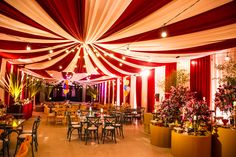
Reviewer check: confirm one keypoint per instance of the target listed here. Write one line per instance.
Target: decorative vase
(225, 121)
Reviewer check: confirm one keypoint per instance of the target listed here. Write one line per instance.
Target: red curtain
(151, 90)
(170, 79)
(138, 90)
(200, 77)
(121, 90)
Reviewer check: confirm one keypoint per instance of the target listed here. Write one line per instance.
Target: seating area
(53, 142)
(117, 78)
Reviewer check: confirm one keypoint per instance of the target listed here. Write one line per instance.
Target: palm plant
(13, 84)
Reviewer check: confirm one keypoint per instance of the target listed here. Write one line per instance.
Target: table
(224, 142)
(160, 136)
(183, 145)
(147, 119)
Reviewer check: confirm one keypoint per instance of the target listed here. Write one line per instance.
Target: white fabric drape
(163, 15)
(100, 15)
(34, 11)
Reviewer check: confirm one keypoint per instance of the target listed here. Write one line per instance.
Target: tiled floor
(53, 143)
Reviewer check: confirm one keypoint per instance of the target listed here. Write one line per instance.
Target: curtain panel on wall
(200, 77)
(151, 90)
(170, 79)
(138, 90)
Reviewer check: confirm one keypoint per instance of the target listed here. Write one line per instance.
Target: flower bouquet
(224, 98)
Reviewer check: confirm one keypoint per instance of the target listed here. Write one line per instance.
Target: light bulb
(127, 50)
(163, 34)
(123, 57)
(120, 64)
(50, 51)
(28, 48)
(227, 58)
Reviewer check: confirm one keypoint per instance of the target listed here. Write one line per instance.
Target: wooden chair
(109, 128)
(60, 115)
(49, 115)
(24, 147)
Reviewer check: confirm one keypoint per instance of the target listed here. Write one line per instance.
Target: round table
(224, 143)
(183, 145)
(160, 136)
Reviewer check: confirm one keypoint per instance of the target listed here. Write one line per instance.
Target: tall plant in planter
(228, 69)
(92, 92)
(226, 93)
(34, 89)
(13, 84)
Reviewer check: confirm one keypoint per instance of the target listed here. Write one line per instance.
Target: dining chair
(72, 127)
(92, 128)
(5, 139)
(109, 128)
(24, 147)
(119, 124)
(33, 133)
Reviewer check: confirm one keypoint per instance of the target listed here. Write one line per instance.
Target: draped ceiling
(87, 40)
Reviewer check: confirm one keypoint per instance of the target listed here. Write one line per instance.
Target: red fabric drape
(138, 90)
(151, 90)
(121, 90)
(200, 77)
(115, 90)
(170, 81)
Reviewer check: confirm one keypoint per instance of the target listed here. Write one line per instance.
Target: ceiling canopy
(96, 40)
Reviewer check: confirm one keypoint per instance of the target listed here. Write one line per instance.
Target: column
(109, 92)
(118, 92)
(2, 75)
(133, 100)
(144, 92)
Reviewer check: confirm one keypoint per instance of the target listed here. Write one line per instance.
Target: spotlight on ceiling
(127, 50)
(145, 73)
(50, 51)
(163, 34)
(123, 57)
(227, 58)
(28, 48)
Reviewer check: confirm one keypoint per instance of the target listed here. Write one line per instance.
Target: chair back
(93, 121)
(109, 121)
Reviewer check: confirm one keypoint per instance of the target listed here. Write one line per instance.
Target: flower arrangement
(199, 109)
(224, 97)
(171, 109)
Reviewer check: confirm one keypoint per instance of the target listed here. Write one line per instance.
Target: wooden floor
(53, 143)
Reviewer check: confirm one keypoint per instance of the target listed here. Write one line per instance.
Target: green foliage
(170, 81)
(13, 85)
(228, 69)
(182, 77)
(92, 92)
(35, 88)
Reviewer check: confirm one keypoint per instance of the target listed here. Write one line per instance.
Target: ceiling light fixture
(123, 57)
(49, 58)
(50, 51)
(227, 58)
(28, 48)
(120, 64)
(60, 67)
(145, 73)
(163, 28)
(127, 50)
